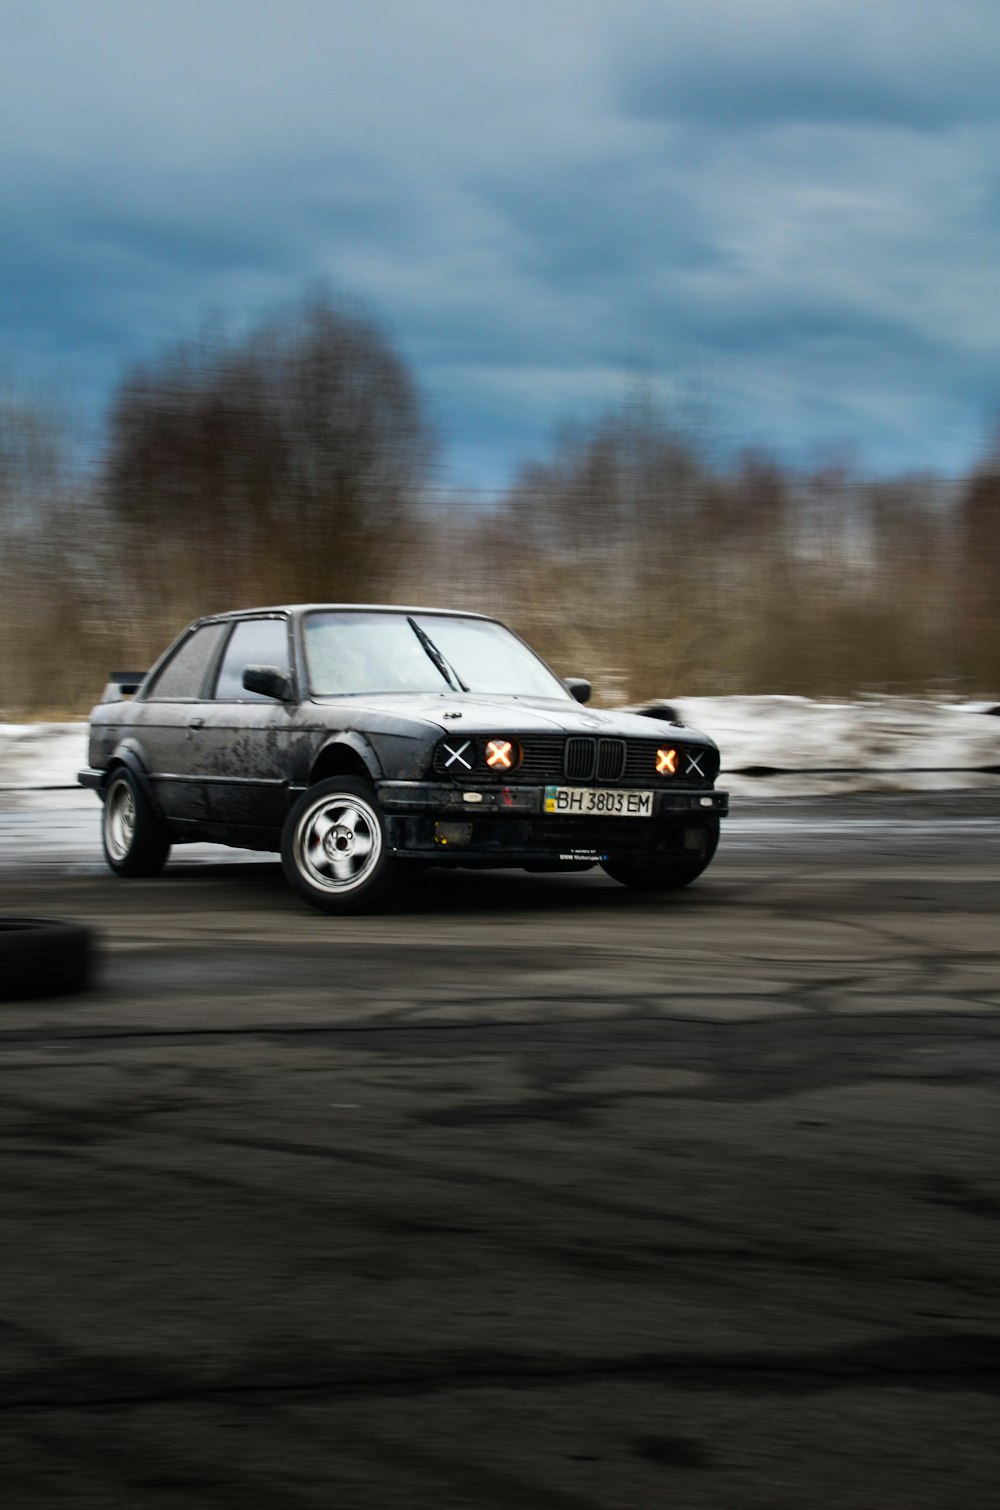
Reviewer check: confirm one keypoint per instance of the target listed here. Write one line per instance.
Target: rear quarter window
(184, 674)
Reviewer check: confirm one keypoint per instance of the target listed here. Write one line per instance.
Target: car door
(245, 734)
(166, 724)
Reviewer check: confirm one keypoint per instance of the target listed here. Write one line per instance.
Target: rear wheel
(136, 840)
(335, 849)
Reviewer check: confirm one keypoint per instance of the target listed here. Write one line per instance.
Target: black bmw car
(361, 741)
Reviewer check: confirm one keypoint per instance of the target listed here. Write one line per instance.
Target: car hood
(479, 713)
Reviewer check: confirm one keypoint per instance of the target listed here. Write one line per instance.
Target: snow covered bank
(42, 755)
(812, 748)
(877, 744)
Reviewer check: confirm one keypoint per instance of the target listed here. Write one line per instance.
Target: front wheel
(136, 840)
(667, 874)
(334, 847)
(652, 877)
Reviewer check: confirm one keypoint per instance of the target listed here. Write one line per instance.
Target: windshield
(350, 652)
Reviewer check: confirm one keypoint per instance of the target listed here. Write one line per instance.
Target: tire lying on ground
(43, 957)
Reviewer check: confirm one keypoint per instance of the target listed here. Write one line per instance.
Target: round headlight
(456, 756)
(666, 761)
(502, 754)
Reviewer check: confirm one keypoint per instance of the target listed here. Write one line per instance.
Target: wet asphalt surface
(528, 1193)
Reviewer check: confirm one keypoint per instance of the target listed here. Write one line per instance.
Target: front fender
(358, 745)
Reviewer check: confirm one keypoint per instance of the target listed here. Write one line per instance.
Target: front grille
(640, 758)
(580, 759)
(610, 759)
(543, 756)
(697, 765)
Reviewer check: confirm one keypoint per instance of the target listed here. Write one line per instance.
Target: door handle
(195, 723)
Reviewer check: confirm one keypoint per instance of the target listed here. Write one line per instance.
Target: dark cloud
(796, 205)
(585, 223)
(906, 63)
(100, 269)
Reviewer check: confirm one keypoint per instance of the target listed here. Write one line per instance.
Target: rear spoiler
(122, 684)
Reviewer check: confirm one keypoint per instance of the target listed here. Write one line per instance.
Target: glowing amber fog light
(666, 762)
(501, 754)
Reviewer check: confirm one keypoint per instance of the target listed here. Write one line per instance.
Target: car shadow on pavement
(449, 891)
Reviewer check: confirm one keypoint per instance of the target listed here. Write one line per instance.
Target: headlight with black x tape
(457, 756)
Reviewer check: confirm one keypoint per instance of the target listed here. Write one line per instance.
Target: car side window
(253, 642)
(182, 677)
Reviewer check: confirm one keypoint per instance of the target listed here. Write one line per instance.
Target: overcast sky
(785, 213)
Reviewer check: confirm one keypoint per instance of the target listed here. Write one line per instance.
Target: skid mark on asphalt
(935, 1361)
(760, 1059)
(645, 1261)
(948, 1190)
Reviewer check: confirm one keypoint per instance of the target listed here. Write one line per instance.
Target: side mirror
(268, 681)
(579, 688)
(666, 712)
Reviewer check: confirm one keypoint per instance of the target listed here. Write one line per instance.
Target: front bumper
(507, 825)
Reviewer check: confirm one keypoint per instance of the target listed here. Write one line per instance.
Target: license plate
(596, 802)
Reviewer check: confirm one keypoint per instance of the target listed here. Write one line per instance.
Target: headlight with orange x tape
(666, 761)
(503, 754)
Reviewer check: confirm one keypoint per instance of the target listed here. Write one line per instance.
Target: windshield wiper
(449, 673)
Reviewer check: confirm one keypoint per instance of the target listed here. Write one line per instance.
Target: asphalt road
(528, 1194)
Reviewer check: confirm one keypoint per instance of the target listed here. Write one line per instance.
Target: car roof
(303, 608)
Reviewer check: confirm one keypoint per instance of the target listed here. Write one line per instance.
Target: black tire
(669, 874)
(136, 840)
(657, 877)
(335, 849)
(43, 957)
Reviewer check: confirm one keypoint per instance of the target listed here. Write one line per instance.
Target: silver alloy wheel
(119, 819)
(338, 842)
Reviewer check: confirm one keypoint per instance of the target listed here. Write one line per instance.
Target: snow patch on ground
(877, 744)
(42, 755)
(887, 744)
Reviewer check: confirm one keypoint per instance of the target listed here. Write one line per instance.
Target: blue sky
(787, 209)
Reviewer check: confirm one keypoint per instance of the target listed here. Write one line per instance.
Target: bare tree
(51, 618)
(288, 464)
(630, 554)
(979, 537)
(275, 466)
